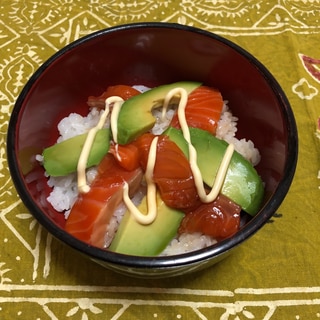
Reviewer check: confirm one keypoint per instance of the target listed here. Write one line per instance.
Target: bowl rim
(161, 261)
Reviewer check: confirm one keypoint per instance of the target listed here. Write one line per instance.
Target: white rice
(64, 189)
(188, 242)
(141, 88)
(227, 129)
(161, 124)
(64, 192)
(76, 124)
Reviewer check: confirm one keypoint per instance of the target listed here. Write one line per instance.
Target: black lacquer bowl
(152, 54)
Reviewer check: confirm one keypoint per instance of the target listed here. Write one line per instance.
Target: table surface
(274, 275)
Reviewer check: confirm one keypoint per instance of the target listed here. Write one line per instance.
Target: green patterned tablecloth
(274, 275)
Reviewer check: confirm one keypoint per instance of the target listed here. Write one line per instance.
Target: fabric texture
(274, 275)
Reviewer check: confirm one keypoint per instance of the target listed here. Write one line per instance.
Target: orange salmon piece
(123, 91)
(203, 109)
(219, 219)
(172, 173)
(92, 211)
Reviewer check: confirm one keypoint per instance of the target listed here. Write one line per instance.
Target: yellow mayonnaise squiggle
(204, 197)
(83, 187)
(151, 215)
(151, 187)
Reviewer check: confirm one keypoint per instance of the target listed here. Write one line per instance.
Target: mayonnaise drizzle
(114, 126)
(151, 215)
(114, 118)
(83, 187)
(212, 195)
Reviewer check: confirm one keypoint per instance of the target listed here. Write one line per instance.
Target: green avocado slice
(135, 116)
(62, 158)
(242, 183)
(133, 238)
